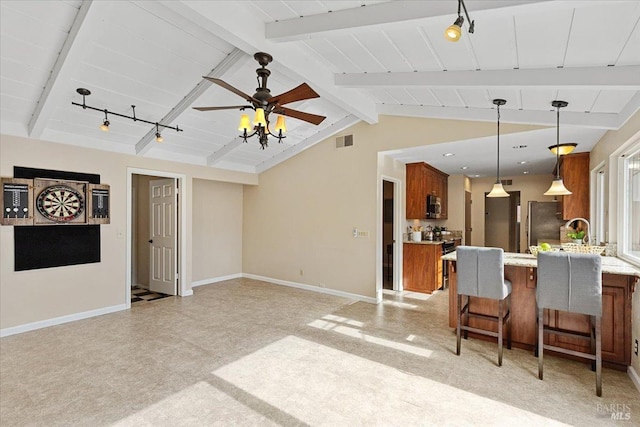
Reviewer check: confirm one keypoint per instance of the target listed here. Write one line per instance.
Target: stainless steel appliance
(434, 207)
(543, 223)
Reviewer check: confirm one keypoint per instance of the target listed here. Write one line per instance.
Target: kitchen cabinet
(423, 180)
(422, 267)
(574, 169)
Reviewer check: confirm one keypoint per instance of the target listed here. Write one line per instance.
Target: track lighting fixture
(557, 186)
(498, 190)
(454, 31)
(159, 137)
(105, 124)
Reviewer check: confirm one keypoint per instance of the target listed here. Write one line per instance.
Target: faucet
(588, 234)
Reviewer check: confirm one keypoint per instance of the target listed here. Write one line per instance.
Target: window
(631, 206)
(598, 234)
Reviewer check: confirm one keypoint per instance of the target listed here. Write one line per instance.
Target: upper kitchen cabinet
(424, 180)
(575, 175)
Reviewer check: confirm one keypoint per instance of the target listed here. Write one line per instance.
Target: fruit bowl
(535, 249)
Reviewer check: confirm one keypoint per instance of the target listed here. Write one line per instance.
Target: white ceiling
(364, 58)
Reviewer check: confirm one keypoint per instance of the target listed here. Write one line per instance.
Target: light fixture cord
(498, 159)
(558, 143)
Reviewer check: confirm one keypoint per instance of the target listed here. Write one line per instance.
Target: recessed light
(464, 168)
(524, 162)
(525, 172)
(476, 176)
(448, 155)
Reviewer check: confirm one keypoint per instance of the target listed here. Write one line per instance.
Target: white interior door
(162, 237)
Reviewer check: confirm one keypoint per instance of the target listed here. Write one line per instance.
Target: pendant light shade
(259, 119)
(245, 123)
(557, 186)
(565, 148)
(498, 190)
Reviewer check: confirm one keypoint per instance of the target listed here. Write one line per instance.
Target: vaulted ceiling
(364, 58)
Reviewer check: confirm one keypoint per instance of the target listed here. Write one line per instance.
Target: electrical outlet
(635, 347)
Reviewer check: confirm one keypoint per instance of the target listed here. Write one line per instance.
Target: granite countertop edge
(610, 265)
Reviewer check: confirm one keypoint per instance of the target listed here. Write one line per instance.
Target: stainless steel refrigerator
(543, 223)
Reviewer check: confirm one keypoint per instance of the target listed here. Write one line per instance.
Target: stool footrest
(571, 352)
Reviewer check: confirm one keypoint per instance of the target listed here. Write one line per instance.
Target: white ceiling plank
(236, 58)
(327, 132)
(229, 147)
(623, 78)
(389, 14)
(544, 118)
(89, 16)
(243, 29)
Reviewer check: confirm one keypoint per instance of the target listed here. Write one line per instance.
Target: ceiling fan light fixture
(565, 148)
(245, 123)
(280, 125)
(259, 119)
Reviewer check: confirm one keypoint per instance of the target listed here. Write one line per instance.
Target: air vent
(344, 141)
(506, 181)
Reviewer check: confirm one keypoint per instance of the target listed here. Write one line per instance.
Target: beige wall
(217, 225)
(609, 144)
(36, 295)
(531, 188)
(302, 215)
(455, 206)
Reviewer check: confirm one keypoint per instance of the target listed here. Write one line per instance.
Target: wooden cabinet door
(614, 344)
(575, 175)
(416, 196)
(413, 267)
(444, 195)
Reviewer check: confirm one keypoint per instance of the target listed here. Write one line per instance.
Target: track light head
(454, 31)
(105, 126)
(159, 137)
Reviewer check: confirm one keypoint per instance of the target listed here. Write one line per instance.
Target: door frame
(181, 250)
(397, 233)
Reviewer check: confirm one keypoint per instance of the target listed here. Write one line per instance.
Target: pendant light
(498, 190)
(557, 186)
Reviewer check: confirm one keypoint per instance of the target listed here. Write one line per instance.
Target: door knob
(150, 240)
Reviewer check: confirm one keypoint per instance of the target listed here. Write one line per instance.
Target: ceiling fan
(263, 103)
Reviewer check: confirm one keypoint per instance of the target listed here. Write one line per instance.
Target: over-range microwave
(434, 208)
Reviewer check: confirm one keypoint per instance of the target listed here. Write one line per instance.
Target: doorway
(502, 217)
(156, 242)
(388, 238)
(467, 218)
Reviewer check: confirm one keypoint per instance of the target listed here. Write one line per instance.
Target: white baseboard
(634, 377)
(187, 293)
(215, 280)
(60, 320)
(312, 288)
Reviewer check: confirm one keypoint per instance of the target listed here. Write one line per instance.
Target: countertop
(432, 242)
(611, 265)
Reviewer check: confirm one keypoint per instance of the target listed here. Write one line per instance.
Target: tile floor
(244, 352)
(139, 294)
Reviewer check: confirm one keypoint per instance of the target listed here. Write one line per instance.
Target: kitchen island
(618, 284)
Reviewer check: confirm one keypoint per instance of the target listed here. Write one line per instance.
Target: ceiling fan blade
(229, 107)
(227, 86)
(299, 93)
(300, 115)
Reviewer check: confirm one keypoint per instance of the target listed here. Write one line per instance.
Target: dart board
(59, 202)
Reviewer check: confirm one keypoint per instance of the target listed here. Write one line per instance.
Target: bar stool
(481, 274)
(571, 282)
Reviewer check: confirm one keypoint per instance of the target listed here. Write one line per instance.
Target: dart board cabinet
(17, 201)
